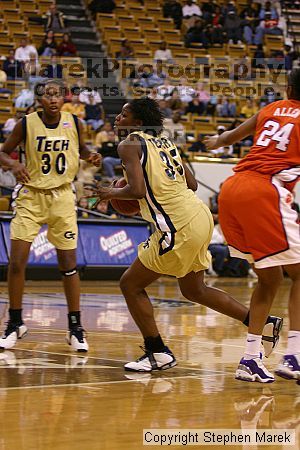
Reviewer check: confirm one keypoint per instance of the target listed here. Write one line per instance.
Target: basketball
(125, 207)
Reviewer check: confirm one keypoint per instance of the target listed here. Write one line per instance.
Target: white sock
(293, 346)
(253, 344)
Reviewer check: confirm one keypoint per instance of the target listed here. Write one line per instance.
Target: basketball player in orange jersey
(165, 187)
(53, 143)
(259, 224)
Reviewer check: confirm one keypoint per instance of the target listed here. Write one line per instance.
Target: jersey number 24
(273, 132)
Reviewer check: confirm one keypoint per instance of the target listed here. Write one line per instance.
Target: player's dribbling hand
(20, 172)
(210, 142)
(95, 159)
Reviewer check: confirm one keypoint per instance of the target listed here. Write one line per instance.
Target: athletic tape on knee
(69, 273)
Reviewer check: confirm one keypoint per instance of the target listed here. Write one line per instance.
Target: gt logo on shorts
(69, 235)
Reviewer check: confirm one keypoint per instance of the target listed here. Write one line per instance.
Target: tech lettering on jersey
(52, 143)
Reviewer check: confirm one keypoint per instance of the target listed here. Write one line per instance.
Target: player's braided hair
(147, 110)
(294, 82)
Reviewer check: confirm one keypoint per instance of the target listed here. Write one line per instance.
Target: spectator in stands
(173, 9)
(7, 178)
(54, 69)
(66, 46)
(110, 156)
(90, 95)
(48, 44)
(94, 113)
(22, 53)
(83, 203)
(190, 13)
(250, 12)
(226, 107)
(289, 57)
(186, 91)
(126, 50)
(233, 27)
(55, 19)
(11, 66)
(152, 77)
(10, 124)
(197, 34)
(258, 60)
(209, 10)
(228, 7)
(75, 107)
(219, 151)
(195, 107)
(268, 10)
(174, 102)
(166, 89)
(175, 129)
(24, 99)
(163, 53)
(198, 146)
(102, 6)
(104, 207)
(102, 135)
(164, 109)
(203, 94)
(249, 109)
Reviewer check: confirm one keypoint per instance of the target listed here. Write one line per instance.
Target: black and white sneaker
(76, 337)
(12, 333)
(151, 361)
(271, 334)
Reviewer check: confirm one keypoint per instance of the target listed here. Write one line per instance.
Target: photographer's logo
(69, 235)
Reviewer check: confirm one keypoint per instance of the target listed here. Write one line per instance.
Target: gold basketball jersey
(169, 204)
(51, 154)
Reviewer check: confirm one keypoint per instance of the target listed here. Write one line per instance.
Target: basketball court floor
(52, 398)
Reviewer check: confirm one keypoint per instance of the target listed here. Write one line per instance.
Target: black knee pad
(69, 273)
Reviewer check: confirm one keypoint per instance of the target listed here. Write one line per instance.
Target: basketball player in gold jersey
(53, 142)
(165, 188)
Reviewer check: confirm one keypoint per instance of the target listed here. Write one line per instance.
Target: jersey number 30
(275, 133)
(59, 163)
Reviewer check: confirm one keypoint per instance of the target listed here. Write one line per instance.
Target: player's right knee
(17, 266)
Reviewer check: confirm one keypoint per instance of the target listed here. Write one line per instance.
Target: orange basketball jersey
(276, 144)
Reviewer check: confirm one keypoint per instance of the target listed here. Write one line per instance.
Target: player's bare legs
(67, 266)
(193, 288)
(16, 272)
(16, 279)
(289, 366)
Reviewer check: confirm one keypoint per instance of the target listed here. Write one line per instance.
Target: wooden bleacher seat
(4, 203)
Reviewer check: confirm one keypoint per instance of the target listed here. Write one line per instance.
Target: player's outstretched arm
(84, 152)
(231, 137)
(11, 143)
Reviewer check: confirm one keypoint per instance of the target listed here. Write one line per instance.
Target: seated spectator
(10, 124)
(164, 109)
(126, 50)
(166, 89)
(226, 107)
(209, 10)
(226, 153)
(7, 178)
(250, 12)
(32, 72)
(55, 19)
(3, 78)
(173, 9)
(198, 146)
(84, 204)
(195, 107)
(175, 130)
(249, 109)
(197, 35)
(190, 13)
(104, 207)
(269, 10)
(186, 91)
(219, 151)
(11, 66)
(24, 99)
(102, 135)
(233, 28)
(289, 57)
(48, 44)
(75, 107)
(174, 102)
(102, 6)
(22, 53)
(110, 155)
(54, 69)
(258, 60)
(163, 53)
(66, 47)
(151, 77)
(89, 94)
(94, 113)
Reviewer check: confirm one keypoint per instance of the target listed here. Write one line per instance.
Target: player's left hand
(210, 142)
(102, 192)
(95, 159)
